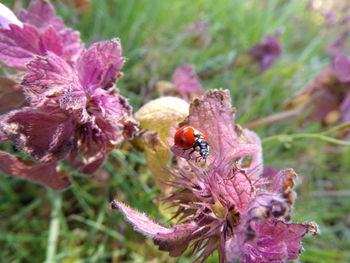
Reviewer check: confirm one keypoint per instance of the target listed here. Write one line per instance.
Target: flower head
(75, 111)
(228, 204)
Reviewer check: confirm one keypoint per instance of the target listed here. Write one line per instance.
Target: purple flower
(187, 82)
(266, 51)
(41, 32)
(328, 94)
(228, 204)
(75, 111)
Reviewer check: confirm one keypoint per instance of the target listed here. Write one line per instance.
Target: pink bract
(187, 82)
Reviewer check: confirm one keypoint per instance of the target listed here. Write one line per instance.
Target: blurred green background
(77, 225)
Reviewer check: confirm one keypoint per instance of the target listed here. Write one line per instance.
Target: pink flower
(74, 111)
(38, 32)
(328, 95)
(187, 82)
(228, 204)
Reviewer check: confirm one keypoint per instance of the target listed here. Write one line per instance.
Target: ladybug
(188, 137)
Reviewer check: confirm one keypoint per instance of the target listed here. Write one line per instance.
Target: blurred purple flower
(228, 205)
(74, 110)
(267, 51)
(187, 82)
(328, 94)
(41, 32)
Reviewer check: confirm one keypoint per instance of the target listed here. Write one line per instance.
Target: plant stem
(56, 204)
(336, 128)
(318, 136)
(272, 118)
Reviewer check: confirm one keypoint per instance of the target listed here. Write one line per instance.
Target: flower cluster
(74, 110)
(227, 204)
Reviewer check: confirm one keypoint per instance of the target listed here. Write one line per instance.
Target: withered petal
(44, 134)
(45, 174)
(98, 66)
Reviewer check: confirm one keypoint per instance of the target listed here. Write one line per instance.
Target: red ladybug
(188, 137)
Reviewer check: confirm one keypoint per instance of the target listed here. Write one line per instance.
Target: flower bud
(157, 116)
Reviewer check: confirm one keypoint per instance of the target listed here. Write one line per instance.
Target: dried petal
(175, 239)
(99, 65)
(275, 241)
(44, 174)
(44, 134)
(41, 15)
(42, 32)
(50, 77)
(11, 95)
(18, 45)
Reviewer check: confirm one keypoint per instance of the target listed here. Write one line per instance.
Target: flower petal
(41, 14)
(8, 17)
(213, 115)
(44, 134)
(175, 239)
(187, 82)
(18, 45)
(275, 241)
(11, 95)
(45, 174)
(99, 65)
(50, 78)
(46, 77)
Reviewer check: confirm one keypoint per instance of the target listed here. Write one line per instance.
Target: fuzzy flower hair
(75, 110)
(227, 205)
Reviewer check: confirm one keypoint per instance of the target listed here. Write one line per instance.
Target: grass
(77, 225)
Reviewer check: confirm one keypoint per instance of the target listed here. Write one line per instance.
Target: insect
(188, 137)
